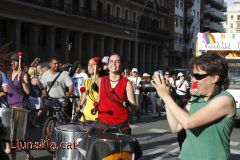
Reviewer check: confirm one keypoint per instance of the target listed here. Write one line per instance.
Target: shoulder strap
(55, 79)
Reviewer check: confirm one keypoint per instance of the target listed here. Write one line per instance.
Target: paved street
(156, 140)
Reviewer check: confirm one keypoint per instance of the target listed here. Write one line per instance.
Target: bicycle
(57, 118)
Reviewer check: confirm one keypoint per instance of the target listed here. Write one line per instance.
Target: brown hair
(213, 64)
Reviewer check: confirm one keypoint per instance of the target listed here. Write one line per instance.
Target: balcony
(151, 5)
(178, 47)
(218, 3)
(213, 25)
(189, 3)
(213, 12)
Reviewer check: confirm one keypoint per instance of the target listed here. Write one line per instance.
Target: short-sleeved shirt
(4, 79)
(59, 88)
(136, 82)
(78, 81)
(211, 141)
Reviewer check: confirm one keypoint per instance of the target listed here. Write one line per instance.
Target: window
(126, 14)
(134, 17)
(181, 23)
(231, 17)
(161, 24)
(181, 5)
(118, 14)
(176, 22)
(194, 13)
(177, 4)
(109, 9)
(238, 17)
(198, 15)
(87, 4)
(231, 25)
(180, 40)
(238, 24)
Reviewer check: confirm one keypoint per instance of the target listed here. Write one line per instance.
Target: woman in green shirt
(209, 116)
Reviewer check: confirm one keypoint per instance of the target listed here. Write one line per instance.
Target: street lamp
(136, 34)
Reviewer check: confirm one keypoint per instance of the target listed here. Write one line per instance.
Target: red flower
(82, 89)
(111, 90)
(95, 104)
(20, 54)
(96, 59)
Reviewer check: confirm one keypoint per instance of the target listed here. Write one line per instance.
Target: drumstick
(19, 59)
(19, 63)
(82, 90)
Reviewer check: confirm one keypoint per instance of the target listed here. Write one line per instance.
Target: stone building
(80, 29)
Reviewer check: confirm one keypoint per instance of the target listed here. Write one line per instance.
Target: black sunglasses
(199, 76)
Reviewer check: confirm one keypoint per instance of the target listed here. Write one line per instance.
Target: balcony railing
(153, 6)
(91, 14)
(212, 25)
(218, 3)
(214, 12)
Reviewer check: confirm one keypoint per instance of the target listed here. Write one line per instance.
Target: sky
(229, 2)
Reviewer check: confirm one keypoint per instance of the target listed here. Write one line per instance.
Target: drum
(14, 123)
(110, 146)
(67, 137)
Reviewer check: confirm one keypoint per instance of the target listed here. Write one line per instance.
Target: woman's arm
(25, 84)
(131, 98)
(216, 109)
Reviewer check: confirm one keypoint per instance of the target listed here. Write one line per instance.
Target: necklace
(115, 80)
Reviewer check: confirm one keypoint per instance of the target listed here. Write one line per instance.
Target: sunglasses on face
(199, 76)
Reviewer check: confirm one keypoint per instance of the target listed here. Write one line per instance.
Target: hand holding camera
(161, 85)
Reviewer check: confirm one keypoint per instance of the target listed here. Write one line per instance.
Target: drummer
(116, 98)
(18, 89)
(92, 88)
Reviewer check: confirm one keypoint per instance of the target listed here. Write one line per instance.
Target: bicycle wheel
(48, 132)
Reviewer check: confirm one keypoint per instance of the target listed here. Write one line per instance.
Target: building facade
(232, 25)
(212, 15)
(175, 53)
(191, 28)
(80, 29)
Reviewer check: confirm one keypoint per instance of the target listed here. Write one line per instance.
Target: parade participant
(3, 89)
(135, 79)
(92, 88)
(35, 100)
(116, 97)
(78, 77)
(18, 89)
(209, 117)
(61, 88)
(181, 99)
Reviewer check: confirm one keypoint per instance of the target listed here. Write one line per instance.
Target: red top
(111, 109)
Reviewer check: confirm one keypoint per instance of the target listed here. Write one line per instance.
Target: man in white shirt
(78, 80)
(135, 79)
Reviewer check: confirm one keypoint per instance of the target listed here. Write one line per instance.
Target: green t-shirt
(208, 142)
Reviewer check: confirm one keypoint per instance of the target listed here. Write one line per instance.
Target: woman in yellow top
(91, 86)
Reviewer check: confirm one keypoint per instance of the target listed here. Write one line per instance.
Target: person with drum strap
(116, 97)
(18, 89)
(90, 95)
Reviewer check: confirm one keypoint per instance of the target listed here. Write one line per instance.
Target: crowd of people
(110, 97)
